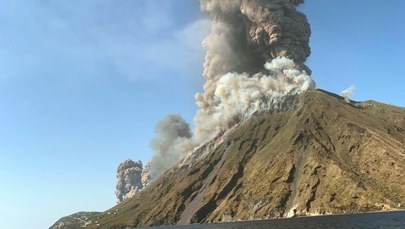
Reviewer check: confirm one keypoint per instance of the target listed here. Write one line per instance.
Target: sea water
(380, 220)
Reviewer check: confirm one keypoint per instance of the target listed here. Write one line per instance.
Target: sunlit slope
(325, 156)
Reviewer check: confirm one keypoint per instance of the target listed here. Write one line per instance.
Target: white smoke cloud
(348, 92)
(237, 95)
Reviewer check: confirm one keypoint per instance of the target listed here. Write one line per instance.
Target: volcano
(322, 155)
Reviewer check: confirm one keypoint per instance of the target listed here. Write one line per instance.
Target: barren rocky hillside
(325, 156)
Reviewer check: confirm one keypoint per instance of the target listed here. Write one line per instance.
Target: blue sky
(82, 84)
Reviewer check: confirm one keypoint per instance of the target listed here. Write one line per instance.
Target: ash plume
(255, 57)
(172, 143)
(247, 35)
(129, 179)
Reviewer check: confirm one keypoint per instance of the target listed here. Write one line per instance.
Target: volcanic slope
(325, 156)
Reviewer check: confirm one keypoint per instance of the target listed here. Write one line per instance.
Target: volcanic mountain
(322, 155)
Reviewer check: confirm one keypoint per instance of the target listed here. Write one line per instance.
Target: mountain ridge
(325, 156)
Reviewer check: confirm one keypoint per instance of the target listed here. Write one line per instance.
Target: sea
(380, 220)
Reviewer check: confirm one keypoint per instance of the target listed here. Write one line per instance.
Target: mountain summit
(324, 156)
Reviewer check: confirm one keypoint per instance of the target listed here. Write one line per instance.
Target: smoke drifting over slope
(247, 35)
(172, 142)
(348, 92)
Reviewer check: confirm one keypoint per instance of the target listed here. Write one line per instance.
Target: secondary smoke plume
(247, 35)
(172, 143)
(347, 93)
(129, 179)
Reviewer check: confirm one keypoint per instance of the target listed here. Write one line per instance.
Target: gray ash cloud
(248, 33)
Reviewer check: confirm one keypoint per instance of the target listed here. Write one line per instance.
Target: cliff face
(324, 157)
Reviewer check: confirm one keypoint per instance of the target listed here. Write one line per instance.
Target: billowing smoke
(347, 93)
(255, 57)
(129, 179)
(247, 35)
(238, 95)
(173, 141)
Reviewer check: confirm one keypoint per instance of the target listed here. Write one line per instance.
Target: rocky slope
(325, 156)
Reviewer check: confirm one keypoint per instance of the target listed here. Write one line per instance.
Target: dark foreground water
(383, 220)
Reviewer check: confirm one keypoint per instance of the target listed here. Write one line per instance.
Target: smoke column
(255, 57)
